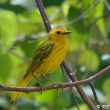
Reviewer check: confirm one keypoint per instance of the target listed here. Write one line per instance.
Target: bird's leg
(51, 80)
(47, 78)
(40, 84)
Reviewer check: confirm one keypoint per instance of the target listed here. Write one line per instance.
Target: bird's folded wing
(41, 53)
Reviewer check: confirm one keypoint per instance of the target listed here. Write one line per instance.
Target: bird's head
(59, 33)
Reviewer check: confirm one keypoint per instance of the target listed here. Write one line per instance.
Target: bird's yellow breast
(54, 59)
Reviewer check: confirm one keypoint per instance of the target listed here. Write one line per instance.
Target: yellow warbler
(47, 57)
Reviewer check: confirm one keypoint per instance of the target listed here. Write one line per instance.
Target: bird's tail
(24, 83)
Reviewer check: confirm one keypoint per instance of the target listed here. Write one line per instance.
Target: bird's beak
(66, 33)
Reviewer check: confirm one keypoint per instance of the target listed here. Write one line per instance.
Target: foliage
(21, 32)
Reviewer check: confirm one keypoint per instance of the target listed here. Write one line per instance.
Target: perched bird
(47, 57)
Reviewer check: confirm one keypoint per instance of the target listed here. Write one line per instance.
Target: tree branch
(55, 86)
(65, 64)
(43, 14)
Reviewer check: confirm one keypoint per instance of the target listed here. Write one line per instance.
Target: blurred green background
(21, 32)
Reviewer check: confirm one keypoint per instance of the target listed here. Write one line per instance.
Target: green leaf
(5, 66)
(89, 60)
(49, 97)
(100, 22)
(74, 13)
(52, 2)
(11, 7)
(8, 28)
(82, 107)
(29, 46)
(26, 27)
(106, 86)
(106, 89)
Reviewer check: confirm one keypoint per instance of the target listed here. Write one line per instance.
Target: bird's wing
(41, 53)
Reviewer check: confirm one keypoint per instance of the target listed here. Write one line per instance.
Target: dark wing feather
(41, 53)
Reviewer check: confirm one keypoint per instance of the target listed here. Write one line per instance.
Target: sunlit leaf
(106, 86)
(89, 60)
(5, 66)
(29, 45)
(8, 27)
(74, 13)
(99, 13)
(82, 107)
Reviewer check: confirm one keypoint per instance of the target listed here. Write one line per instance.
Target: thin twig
(64, 73)
(82, 16)
(72, 89)
(75, 98)
(107, 4)
(95, 95)
(98, 18)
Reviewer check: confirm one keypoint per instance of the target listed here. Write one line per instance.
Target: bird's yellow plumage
(47, 57)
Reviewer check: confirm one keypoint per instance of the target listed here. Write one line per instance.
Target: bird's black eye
(58, 32)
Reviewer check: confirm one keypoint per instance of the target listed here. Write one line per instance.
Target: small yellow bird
(47, 57)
